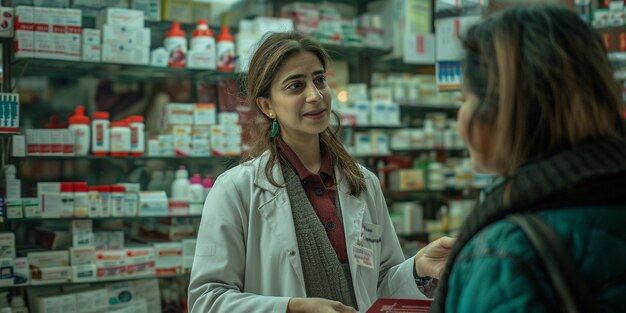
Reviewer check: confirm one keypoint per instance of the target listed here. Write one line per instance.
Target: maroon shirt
(321, 191)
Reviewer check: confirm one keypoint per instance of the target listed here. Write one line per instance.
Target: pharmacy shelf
(142, 157)
(417, 107)
(444, 11)
(468, 193)
(109, 280)
(370, 127)
(427, 150)
(32, 219)
(617, 59)
(118, 72)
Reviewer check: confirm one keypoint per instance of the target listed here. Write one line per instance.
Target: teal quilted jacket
(498, 270)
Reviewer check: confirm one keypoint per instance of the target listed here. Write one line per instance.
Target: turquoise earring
(275, 129)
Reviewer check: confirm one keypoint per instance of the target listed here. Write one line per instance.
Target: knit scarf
(324, 276)
(589, 174)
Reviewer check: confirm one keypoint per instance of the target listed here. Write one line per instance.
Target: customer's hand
(317, 305)
(430, 260)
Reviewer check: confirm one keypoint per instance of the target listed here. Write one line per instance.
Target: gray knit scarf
(324, 276)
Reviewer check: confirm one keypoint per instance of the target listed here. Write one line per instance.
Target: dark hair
(273, 51)
(543, 81)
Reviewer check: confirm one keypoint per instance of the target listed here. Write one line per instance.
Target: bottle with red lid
(95, 206)
(100, 125)
(67, 200)
(203, 44)
(79, 125)
(81, 199)
(225, 51)
(120, 138)
(117, 200)
(176, 45)
(105, 200)
(137, 135)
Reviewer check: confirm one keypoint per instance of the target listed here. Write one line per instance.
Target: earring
(275, 129)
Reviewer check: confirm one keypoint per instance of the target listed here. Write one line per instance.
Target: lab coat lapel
(277, 212)
(352, 210)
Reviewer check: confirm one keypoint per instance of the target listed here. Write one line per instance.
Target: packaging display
(164, 97)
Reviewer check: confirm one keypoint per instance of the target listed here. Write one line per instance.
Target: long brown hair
(543, 83)
(268, 58)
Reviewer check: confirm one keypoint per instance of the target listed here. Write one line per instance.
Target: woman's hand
(430, 260)
(317, 305)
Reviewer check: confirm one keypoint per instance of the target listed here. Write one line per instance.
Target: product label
(99, 135)
(134, 140)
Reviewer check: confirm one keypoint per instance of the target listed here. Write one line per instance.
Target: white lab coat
(247, 257)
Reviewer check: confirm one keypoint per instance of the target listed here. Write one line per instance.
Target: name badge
(363, 256)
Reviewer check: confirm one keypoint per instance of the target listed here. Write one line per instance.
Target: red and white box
(73, 34)
(24, 40)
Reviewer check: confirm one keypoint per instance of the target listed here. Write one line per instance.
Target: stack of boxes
(124, 37)
(13, 271)
(48, 33)
(186, 130)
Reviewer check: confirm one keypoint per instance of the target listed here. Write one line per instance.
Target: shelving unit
(110, 280)
(105, 170)
(118, 72)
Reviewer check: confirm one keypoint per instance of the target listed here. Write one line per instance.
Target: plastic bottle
(137, 135)
(105, 200)
(202, 40)
(225, 51)
(79, 125)
(176, 45)
(207, 184)
(120, 138)
(180, 186)
(18, 305)
(13, 185)
(196, 194)
(67, 200)
(81, 200)
(95, 205)
(117, 201)
(100, 144)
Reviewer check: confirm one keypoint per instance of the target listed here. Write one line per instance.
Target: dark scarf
(324, 276)
(590, 174)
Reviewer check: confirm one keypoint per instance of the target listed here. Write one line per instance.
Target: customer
(543, 112)
(300, 226)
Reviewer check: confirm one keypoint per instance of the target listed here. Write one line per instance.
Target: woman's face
(482, 142)
(299, 98)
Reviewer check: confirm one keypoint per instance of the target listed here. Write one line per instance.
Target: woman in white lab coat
(300, 226)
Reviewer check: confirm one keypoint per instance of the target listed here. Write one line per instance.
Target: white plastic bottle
(95, 205)
(196, 194)
(105, 200)
(118, 194)
(137, 135)
(18, 305)
(67, 200)
(207, 184)
(176, 45)
(202, 39)
(120, 138)
(79, 125)
(81, 200)
(180, 186)
(225, 51)
(100, 133)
